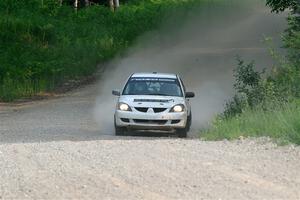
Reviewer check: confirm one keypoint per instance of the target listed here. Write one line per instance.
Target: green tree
(281, 5)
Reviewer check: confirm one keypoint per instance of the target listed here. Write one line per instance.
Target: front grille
(144, 109)
(145, 121)
(141, 109)
(158, 110)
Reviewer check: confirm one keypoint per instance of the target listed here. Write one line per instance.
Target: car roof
(154, 75)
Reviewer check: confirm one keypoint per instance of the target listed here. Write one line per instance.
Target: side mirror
(116, 92)
(189, 95)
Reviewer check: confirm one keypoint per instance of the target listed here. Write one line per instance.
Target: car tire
(189, 122)
(182, 133)
(119, 131)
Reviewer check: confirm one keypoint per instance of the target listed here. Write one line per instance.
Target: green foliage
(253, 90)
(281, 123)
(50, 6)
(248, 83)
(281, 5)
(287, 76)
(43, 44)
(266, 104)
(291, 36)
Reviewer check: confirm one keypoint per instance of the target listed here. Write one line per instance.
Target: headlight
(177, 108)
(124, 107)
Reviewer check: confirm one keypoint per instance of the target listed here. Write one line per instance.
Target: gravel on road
(149, 168)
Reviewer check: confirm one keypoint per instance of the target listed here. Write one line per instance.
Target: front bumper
(150, 121)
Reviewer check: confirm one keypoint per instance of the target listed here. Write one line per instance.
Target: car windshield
(153, 86)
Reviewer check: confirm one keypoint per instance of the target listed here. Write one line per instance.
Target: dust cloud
(201, 46)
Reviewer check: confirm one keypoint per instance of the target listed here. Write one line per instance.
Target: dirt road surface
(64, 148)
(149, 168)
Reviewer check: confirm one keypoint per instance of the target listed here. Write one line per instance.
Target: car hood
(151, 101)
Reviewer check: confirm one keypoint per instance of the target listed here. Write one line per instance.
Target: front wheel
(182, 133)
(119, 131)
(189, 122)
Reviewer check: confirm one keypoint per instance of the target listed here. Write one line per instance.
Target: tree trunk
(111, 4)
(76, 5)
(116, 4)
(87, 2)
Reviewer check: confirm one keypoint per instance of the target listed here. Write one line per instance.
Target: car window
(153, 86)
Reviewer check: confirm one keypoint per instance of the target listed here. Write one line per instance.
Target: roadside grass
(281, 124)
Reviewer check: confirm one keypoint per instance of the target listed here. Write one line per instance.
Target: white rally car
(153, 101)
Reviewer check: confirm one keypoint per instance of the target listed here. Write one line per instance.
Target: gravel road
(64, 147)
(149, 168)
